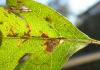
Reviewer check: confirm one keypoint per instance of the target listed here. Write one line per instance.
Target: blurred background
(85, 15)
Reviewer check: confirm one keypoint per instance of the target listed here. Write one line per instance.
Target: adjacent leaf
(47, 36)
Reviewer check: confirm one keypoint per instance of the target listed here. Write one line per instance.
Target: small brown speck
(29, 30)
(6, 27)
(9, 12)
(43, 34)
(51, 27)
(48, 19)
(1, 22)
(36, 57)
(19, 1)
(12, 35)
(5, 14)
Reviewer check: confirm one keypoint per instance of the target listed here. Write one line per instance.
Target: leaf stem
(93, 41)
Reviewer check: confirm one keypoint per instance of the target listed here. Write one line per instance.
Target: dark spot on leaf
(54, 24)
(1, 22)
(18, 23)
(27, 34)
(46, 63)
(36, 57)
(48, 19)
(64, 24)
(51, 27)
(12, 35)
(0, 38)
(50, 44)
(24, 57)
(29, 30)
(6, 27)
(43, 35)
(5, 14)
(9, 12)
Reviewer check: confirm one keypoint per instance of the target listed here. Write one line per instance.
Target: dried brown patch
(50, 44)
(29, 30)
(26, 36)
(43, 34)
(5, 14)
(12, 34)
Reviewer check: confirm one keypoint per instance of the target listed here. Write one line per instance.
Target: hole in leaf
(22, 60)
(24, 57)
(21, 8)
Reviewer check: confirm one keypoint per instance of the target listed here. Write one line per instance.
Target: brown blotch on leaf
(27, 34)
(50, 44)
(0, 38)
(29, 30)
(43, 34)
(12, 34)
(48, 19)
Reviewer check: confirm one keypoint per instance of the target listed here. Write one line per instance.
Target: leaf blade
(61, 28)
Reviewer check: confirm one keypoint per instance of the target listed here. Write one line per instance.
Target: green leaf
(48, 37)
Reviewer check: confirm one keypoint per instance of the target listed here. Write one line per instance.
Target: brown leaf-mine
(50, 44)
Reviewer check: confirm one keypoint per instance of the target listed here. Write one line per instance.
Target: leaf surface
(48, 37)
